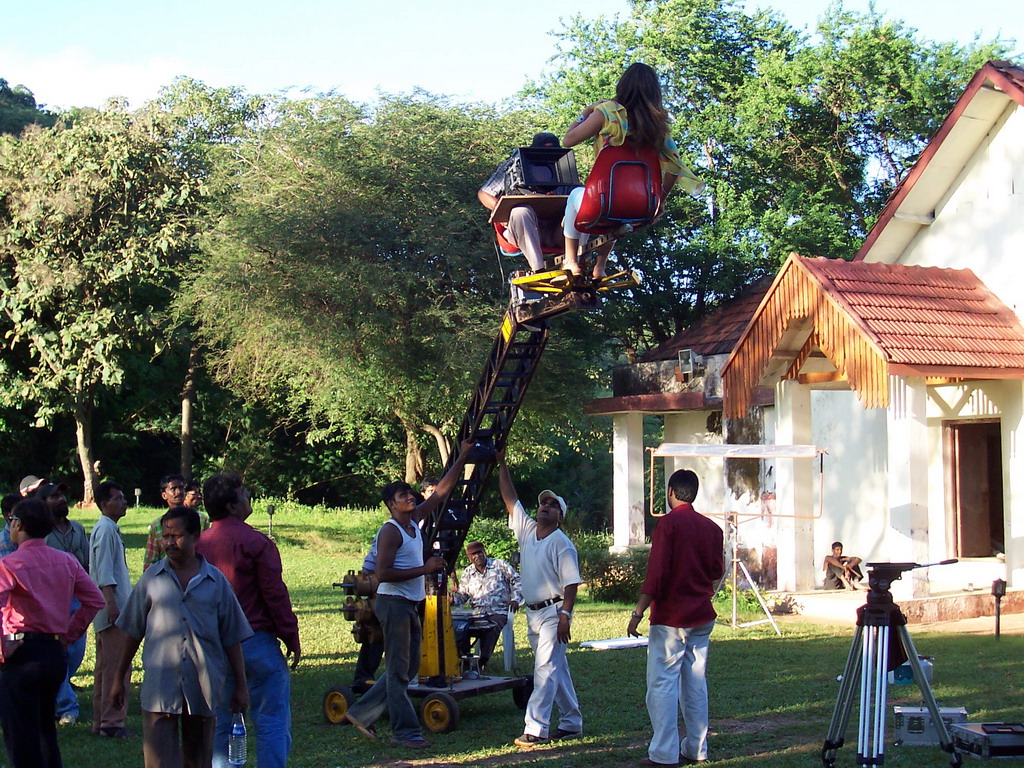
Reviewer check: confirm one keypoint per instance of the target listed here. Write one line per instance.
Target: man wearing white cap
(29, 485)
(551, 576)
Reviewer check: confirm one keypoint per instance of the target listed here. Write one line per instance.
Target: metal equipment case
(914, 726)
(989, 740)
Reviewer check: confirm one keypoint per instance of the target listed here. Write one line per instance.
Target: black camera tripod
(868, 661)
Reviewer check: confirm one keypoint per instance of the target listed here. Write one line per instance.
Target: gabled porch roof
(865, 321)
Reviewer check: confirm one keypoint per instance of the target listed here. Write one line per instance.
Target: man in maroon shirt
(252, 564)
(686, 562)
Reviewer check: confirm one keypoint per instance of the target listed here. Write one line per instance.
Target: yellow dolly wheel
(336, 702)
(439, 713)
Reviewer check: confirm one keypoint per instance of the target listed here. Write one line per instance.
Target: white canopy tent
(708, 451)
(700, 450)
(694, 450)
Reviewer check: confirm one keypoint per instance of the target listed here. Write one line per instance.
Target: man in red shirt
(252, 565)
(686, 562)
(37, 583)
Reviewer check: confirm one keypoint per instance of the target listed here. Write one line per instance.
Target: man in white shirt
(400, 569)
(550, 579)
(110, 572)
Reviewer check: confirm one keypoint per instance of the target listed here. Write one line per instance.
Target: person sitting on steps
(841, 572)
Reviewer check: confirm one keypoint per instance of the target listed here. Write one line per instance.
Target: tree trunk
(444, 446)
(188, 396)
(83, 436)
(413, 454)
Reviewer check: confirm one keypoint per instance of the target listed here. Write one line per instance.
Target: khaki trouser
(162, 748)
(104, 713)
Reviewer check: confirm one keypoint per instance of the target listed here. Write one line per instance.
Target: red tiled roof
(717, 332)
(873, 320)
(925, 316)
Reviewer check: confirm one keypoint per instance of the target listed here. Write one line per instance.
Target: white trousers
(676, 664)
(572, 209)
(552, 684)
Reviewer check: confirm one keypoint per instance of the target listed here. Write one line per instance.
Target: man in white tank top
(550, 578)
(401, 570)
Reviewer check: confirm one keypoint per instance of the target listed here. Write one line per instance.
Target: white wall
(855, 509)
(691, 427)
(980, 224)
(977, 400)
(1013, 479)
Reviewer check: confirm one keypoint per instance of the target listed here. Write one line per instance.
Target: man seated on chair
(494, 587)
(841, 572)
(524, 229)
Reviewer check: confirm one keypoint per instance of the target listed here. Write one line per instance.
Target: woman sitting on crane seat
(637, 119)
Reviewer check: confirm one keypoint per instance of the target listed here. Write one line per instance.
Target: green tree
(18, 109)
(94, 218)
(800, 141)
(208, 123)
(351, 281)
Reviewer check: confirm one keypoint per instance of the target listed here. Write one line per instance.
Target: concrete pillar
(628, 479)
(907, 472)
(794, 488)
(1012, 425)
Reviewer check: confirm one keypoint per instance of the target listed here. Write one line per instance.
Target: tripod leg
(760, 600)
(873, 687)
(735, 585)
(844, 701)
(926, 694)
(867, 665)
(881, 695)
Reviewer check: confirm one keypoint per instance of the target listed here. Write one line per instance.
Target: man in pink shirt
(37, 584)
(686, 562)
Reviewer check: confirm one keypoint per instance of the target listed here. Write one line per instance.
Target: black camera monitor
(545, 169)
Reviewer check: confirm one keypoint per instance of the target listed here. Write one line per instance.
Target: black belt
(544, 603)
(31, 636)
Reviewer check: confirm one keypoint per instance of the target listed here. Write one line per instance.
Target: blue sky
(78, 53)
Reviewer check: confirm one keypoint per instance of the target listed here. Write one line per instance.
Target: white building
(906, 365)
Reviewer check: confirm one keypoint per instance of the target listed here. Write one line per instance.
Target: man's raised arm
(445, 484)
(508, 490)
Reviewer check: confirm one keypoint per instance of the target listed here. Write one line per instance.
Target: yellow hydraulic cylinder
(439, 656)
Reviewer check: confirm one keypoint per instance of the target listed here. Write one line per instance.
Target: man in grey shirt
(109, 570)
(193, 626)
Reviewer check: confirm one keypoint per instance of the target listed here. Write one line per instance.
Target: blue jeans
(270, 714)
(403, 634)
(67, 699)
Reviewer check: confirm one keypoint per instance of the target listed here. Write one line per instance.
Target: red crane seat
(514, 250)
(624, 187)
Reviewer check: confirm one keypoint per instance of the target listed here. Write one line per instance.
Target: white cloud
(74, 77)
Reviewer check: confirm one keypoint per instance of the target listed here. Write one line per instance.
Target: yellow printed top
(613, 134)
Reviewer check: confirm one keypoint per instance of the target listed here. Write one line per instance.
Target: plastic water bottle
(236, 740)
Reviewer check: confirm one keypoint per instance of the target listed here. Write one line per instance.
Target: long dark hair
(639, 92)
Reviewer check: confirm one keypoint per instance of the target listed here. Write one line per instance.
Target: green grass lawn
(771, 698)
